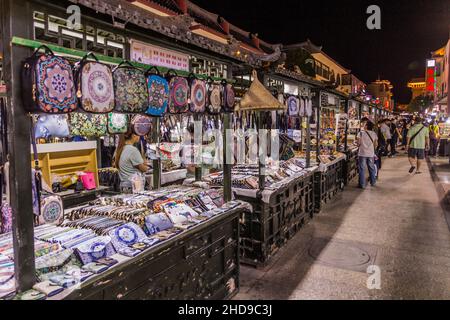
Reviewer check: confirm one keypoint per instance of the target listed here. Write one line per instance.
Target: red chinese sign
(430, 76)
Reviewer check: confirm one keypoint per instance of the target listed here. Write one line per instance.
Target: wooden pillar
(346, 125)
(198, 166)
(308, 142)
(226, 152)
(157, 162)
(17, 21)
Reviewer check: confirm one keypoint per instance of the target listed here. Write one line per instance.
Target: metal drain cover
(341, 254)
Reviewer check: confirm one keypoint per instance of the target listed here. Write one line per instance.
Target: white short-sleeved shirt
(367, 147)
(386, 131)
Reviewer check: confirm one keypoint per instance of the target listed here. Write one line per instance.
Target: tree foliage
(420, 103)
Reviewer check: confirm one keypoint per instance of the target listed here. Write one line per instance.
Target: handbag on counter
(197, 102)
(141, 125)
(94, 249)
(117, 123)
(88, 124)
(88, 180)
(157, 222)
(95, 88)
(130, 89)
(51, 126)
(158, 93)
(126, 235)
(178, 93)
(55, 262)
(48, 83)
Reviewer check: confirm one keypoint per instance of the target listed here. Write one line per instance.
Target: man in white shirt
(386, 132)
(367, 142)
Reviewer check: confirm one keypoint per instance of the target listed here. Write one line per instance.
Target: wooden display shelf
(67, 158)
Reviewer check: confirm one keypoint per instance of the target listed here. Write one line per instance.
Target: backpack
(88, 124)
(130, 89)
(47, 83)
(229, 97)
(117, 123)
(214, 105)
(51, 126)
(178, 93)
(95, 88)
(197, 103)
(158, 93)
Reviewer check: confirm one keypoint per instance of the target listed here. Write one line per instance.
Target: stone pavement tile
(395, 261)
(313, 288)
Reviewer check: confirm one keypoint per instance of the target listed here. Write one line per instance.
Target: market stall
(279, 187)
(351, 152)
(168, 242)
(331, 142)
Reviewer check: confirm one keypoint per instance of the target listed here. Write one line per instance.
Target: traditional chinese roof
(313, 49)
(186, 22)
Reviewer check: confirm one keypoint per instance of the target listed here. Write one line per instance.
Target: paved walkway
(398, 226)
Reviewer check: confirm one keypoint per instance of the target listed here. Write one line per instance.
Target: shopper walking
(404, 128)
(395, 135)
(418, 142)
(386, 132)
(434, 138)
(367, 143)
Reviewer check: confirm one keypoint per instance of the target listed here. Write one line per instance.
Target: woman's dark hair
(370, 125)
(122, 139)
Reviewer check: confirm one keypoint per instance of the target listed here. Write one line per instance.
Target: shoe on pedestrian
(361, 187)
(412, 169)
(418, 172)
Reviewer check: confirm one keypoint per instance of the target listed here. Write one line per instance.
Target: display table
(201, 263)
(74, 199)
(277, 215)
(169, 177)
(351, 165)
(328, 181)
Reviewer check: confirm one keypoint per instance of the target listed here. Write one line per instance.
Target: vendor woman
(128, 159)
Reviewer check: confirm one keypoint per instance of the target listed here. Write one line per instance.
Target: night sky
(410, 30)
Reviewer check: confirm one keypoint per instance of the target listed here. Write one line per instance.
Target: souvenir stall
(280, 192)
(353, 128)
(331, 139)
(176, 242)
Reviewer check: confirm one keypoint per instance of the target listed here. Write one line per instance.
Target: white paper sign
(157, 56)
